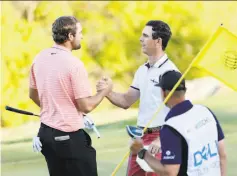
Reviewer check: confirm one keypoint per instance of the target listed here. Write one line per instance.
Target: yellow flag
(219, 57)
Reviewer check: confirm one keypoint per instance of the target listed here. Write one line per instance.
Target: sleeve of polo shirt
(80, 81)
(171, 146)
(219, 129)
(32, 78)
(135, 83)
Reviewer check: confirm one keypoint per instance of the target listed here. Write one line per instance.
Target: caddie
(192, 140)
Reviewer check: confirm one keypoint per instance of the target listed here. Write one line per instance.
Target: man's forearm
(118, 99)
(34, 96)
(223, 163)
(223, 157)
(36, 101)
(95, 100)
(154, 163)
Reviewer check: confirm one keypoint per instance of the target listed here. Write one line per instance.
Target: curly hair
(62, 26)
(160, 30)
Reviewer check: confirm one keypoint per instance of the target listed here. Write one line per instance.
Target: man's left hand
(154, 147)
(136, 145)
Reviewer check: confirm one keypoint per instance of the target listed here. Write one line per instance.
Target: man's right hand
(136, 145)
(105, 84)
(86, 105)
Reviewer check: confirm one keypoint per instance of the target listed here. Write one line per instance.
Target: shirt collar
(179, 109)
(159, 63)
(60, 47)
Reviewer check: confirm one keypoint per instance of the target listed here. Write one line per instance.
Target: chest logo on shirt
(154, 81)
(168, 155)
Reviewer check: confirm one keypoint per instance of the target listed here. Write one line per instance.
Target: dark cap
(169, 79)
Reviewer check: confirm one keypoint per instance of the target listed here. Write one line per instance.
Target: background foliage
(111, 40)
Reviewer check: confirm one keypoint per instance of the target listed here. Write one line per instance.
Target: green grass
(18, 159)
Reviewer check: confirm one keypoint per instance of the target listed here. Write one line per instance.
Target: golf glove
(37, 145)
(89, 124)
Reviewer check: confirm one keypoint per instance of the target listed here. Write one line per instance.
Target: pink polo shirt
(60, 79)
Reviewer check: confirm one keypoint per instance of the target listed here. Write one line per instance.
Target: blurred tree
(26, 8)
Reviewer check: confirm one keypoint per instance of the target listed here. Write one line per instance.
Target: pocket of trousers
(81, 145)
(89, 144)
(88, 139)
(62, 144)
(82, 137)
(63, 148)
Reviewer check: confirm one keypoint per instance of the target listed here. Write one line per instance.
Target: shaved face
(146, 39)
(148, 44)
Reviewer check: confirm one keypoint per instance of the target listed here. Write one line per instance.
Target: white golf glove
(37, 145)
(89, 124)
(143, 164)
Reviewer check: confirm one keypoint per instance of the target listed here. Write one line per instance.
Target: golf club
(88, 121)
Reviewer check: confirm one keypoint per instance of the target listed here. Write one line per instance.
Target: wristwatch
(141, 153)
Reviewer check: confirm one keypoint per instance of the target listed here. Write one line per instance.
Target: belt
(42, 125)
(151, 130)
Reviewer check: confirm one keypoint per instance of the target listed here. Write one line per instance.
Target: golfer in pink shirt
(59, 85)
